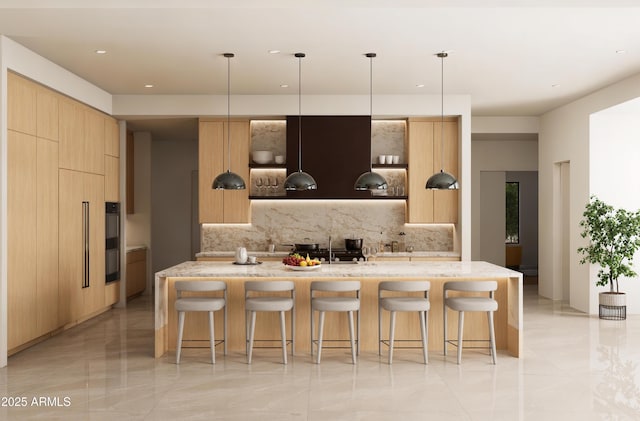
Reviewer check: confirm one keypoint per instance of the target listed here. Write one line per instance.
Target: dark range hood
(335, 151)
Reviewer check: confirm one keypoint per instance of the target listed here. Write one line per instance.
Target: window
(512, 205)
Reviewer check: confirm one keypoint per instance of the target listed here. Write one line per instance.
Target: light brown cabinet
(33, 237)
(21, 218)
(47, 131)
(425, 159)
(223, 206)
(111, 179)
(136, 272)
(111, 293)
(82, 272)
(111, 137)
(21, 104)
(82, 134)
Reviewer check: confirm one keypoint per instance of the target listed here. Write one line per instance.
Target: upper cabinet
(82, 137)
(425, 159)
(223, 206)
(111, 160)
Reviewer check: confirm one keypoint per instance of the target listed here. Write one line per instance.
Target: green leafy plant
(614, 237)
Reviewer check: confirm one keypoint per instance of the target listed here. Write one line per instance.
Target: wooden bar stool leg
(392, 330)
(424, 332)
(252, 329)
(351, 334)
(283, 333)
(460, 334)
(444, 319)
(320, 329)
(492, 337)
(212, 338)
(180, 331)
(379, 330)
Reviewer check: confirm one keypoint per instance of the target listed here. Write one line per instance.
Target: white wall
(615, 154)
(492, 217)
(496, 155)
(172, 162)
(139, 222)
(565, 137)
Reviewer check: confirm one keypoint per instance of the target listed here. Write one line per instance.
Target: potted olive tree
(614, 238)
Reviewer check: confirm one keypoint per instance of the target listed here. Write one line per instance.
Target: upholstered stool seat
(394, 304)
(338, 303)
(201, 303)
(254, 303)
(464, 303)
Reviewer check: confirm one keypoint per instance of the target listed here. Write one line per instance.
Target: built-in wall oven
(112, 245)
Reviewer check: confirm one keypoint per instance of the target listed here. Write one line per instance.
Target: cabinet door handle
(85, 244)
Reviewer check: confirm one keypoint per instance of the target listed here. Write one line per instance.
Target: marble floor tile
(574, 367)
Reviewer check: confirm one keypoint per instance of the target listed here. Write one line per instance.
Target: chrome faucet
(330, 254)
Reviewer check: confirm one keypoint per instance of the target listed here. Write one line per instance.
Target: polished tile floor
(574, 367)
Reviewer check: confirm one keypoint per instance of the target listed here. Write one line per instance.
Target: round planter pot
(613, 306)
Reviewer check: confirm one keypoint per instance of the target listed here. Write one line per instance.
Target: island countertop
(509, 295)
(360, 270)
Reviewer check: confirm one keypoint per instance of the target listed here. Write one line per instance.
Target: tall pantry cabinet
(56, 157)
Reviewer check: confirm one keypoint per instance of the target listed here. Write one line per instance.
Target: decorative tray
(247, 263)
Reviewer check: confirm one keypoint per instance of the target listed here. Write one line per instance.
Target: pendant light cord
(300, 113)
(371, 56)
(442, 56)
(229, 110)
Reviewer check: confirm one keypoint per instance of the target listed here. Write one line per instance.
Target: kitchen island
(508, 318)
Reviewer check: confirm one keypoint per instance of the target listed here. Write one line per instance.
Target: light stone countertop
(363, 270)
(258, 254)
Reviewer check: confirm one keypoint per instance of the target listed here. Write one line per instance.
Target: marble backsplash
(297, 221)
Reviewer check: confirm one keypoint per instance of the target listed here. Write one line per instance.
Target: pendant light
(300, 180)
(370, 180)
(228, 180)
(442, 180)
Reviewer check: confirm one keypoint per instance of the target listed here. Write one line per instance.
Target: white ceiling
(508, 59)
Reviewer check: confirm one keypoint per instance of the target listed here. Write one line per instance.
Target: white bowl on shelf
(262, 157)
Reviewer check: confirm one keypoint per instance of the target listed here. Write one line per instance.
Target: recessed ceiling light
(101, 51)
(621, 51)
(555, 85)
(274, 51)
(148, 85)
(420, 85)
(284, 85)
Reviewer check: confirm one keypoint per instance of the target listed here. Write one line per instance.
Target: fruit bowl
(296, 261)
(303, 268)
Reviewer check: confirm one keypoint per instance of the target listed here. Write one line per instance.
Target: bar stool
(470, 303)
(201, 303)
(335, 303)
(253, 303)
(403, 303)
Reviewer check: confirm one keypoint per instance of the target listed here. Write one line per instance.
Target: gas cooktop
(342, 255)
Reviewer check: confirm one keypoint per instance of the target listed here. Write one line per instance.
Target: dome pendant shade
(370, 181)
(300, 181)
(228, 181)
(442, 181)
